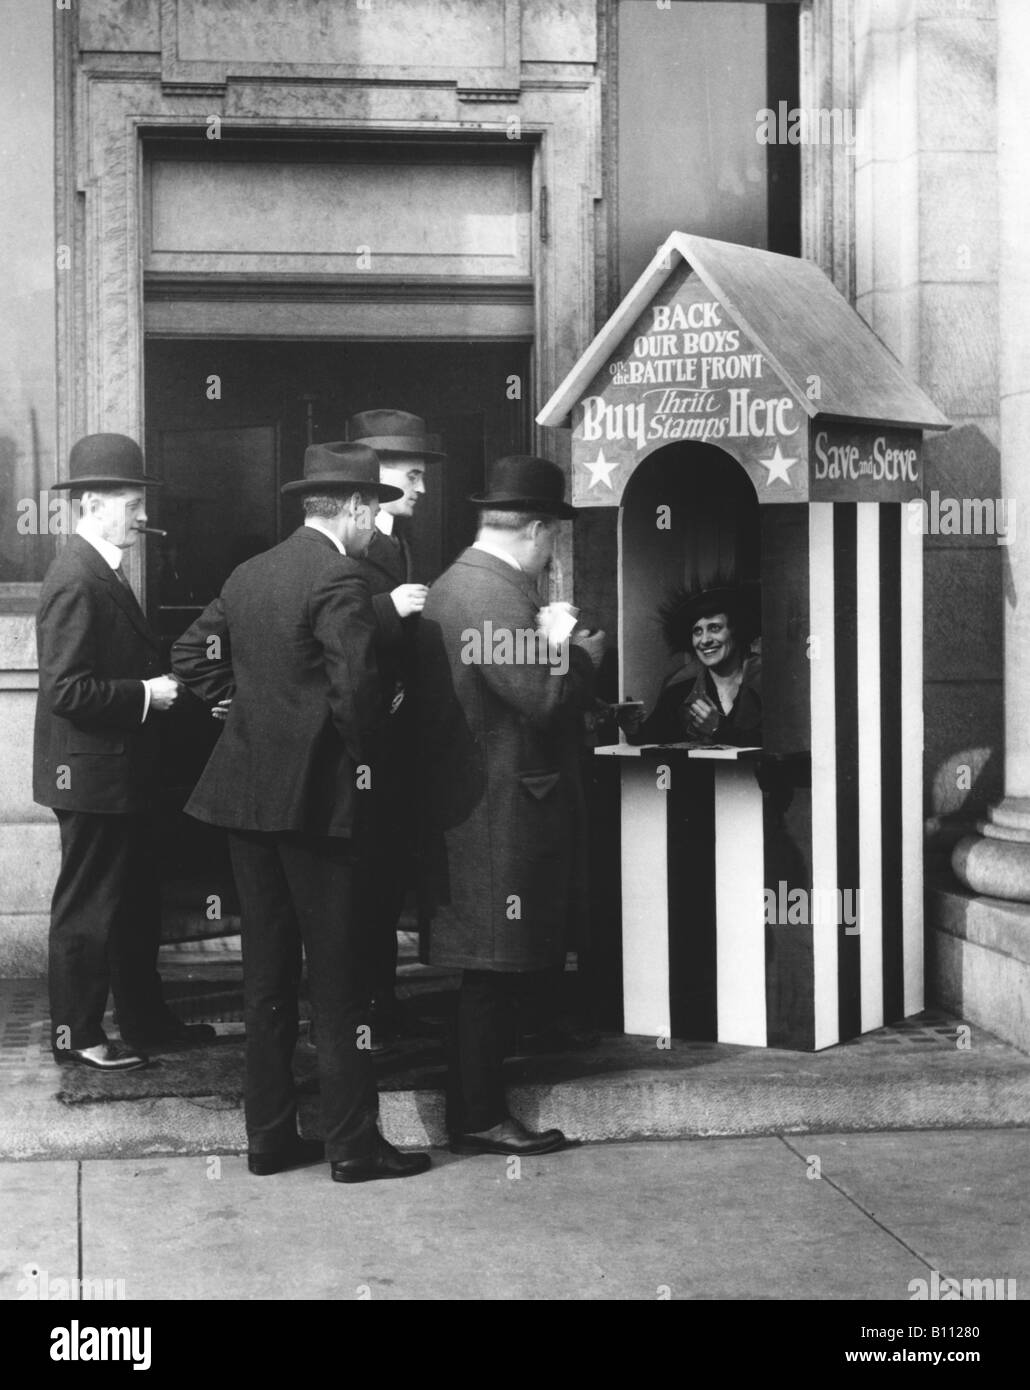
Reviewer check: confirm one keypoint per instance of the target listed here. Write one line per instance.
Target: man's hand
(702, 716)
(221, 711)
(592, 644)
(164, 691)
(409, 598)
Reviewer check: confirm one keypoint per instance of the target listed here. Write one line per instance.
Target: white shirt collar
(493, 550)
(316, 525)
(384, 521)
(110, 552)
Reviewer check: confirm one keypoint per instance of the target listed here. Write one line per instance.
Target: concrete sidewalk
(931, 1072)
(833, 1217)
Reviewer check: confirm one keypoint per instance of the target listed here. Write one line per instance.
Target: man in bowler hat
(290, 643)
(101, 697)
(501, 722)
(384, 868)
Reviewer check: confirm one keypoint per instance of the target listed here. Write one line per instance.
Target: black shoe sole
(471, 1147)
(377, 1174)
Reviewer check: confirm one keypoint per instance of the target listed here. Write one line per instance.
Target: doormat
(215, 1070)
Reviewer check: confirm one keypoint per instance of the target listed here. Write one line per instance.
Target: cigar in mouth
(151, 530)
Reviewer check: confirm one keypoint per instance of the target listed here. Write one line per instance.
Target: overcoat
(290, 639)
(502, 794)
(92, 749)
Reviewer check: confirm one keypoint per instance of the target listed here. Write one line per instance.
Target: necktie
(120, 576)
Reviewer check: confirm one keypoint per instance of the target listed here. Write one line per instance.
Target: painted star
(600, 471)
(777, 466)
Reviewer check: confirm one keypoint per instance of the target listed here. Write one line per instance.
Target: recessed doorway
(227, 423)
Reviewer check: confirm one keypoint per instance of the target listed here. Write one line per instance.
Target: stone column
(996, 861)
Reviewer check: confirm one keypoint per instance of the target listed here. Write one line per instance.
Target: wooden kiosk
(743, 418)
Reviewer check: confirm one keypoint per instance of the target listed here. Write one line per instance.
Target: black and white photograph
(514, 668)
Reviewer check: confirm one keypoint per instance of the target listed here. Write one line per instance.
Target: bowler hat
(525, 483)
(106, 461)
(342, 467)
(393, 434)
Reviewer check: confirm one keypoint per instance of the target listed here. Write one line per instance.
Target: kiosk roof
(792, 312)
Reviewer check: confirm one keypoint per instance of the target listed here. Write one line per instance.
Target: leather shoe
(298, 1155)
(172, 1030)
(509, 1137)
(384, 1162)
(105, 1056)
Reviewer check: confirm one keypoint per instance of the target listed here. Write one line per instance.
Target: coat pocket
(95, 741)
(539, 784)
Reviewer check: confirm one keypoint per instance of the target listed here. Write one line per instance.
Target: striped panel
(645, 902)
(911, 587)
(870, 914)
(846, 682)
(824, 768)
(693, 900)
(739, 915)
(891, 753)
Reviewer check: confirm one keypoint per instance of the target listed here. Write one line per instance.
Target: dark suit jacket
(95, 650)
(290, 639)
(385, 565)
(501, 778)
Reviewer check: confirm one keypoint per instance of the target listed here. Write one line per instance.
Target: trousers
(105, 929)
(295, 896)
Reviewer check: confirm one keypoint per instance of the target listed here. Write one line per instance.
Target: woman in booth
(716, 696)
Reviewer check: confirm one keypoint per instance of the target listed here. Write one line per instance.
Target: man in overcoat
(502, 711)
(290, 642)
(101, 696)
(384, 867)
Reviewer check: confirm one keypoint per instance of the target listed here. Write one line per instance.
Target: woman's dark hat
(106, 461)
(342, 467)
(742, 604)
(525, 483)
(394, 434)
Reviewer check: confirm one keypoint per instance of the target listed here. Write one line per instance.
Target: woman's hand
(701, 716)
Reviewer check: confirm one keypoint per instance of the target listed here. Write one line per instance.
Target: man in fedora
(290, 642)
(101, 697)
(501, 723)
(384, 868)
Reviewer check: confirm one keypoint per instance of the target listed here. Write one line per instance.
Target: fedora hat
(525, 483)
(342, 467)
(393, 434)
(106, 461)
